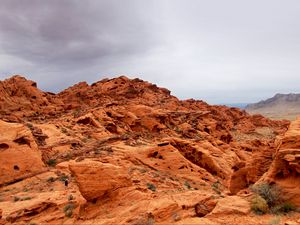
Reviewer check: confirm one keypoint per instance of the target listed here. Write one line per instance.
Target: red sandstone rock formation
(96, 179)
(132, 154)
(19, 154)
(285, 168)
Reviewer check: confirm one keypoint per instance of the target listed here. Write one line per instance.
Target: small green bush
(63, 178)
(51, 179)
(16, 198)
(29, 125)
(288, 207)
(151, 187)
(216, 187)
(187, 184)
(51, 162)
(283, 208)
(69, 213)
(64, 130)
(68, 209)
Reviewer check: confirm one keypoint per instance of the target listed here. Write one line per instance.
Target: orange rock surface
(96, 179)
(19, 154)
(285, 169)
(124, 151)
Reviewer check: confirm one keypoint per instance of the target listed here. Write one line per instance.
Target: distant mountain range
(281, 106)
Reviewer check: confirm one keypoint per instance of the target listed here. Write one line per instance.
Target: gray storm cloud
(218, 51)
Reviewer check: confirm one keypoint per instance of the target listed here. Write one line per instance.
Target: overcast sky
(219, 51)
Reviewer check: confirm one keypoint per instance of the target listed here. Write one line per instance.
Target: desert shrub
(287, 207)
(273, 197)
(283, 208)
(64, 130)
(259, 205)
(70, 197)
(63, 178)
(143, 170)
(151, 187)
(25, 198)
(29, 125)
(271, 193)
(16, 198)
(51, 162)
(51, 179)
(68, 209)
(76, 113)
(216, 187)
(69, 213)
(187, 184)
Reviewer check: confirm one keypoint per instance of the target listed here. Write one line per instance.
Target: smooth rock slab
(231, 205)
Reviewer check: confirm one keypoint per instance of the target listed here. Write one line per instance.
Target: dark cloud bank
(219, 51)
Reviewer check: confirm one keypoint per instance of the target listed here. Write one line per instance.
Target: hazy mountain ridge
(285, 106)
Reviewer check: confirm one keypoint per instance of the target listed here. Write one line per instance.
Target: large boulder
(231, 205)
(96, 179)
(19, 154)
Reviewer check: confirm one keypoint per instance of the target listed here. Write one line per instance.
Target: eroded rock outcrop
(19, 154)
(136, 153)
(20, 98)
(285, 169)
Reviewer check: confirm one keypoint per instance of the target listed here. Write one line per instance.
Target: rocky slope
(129, 153)
(285, 168)
(281, 106)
